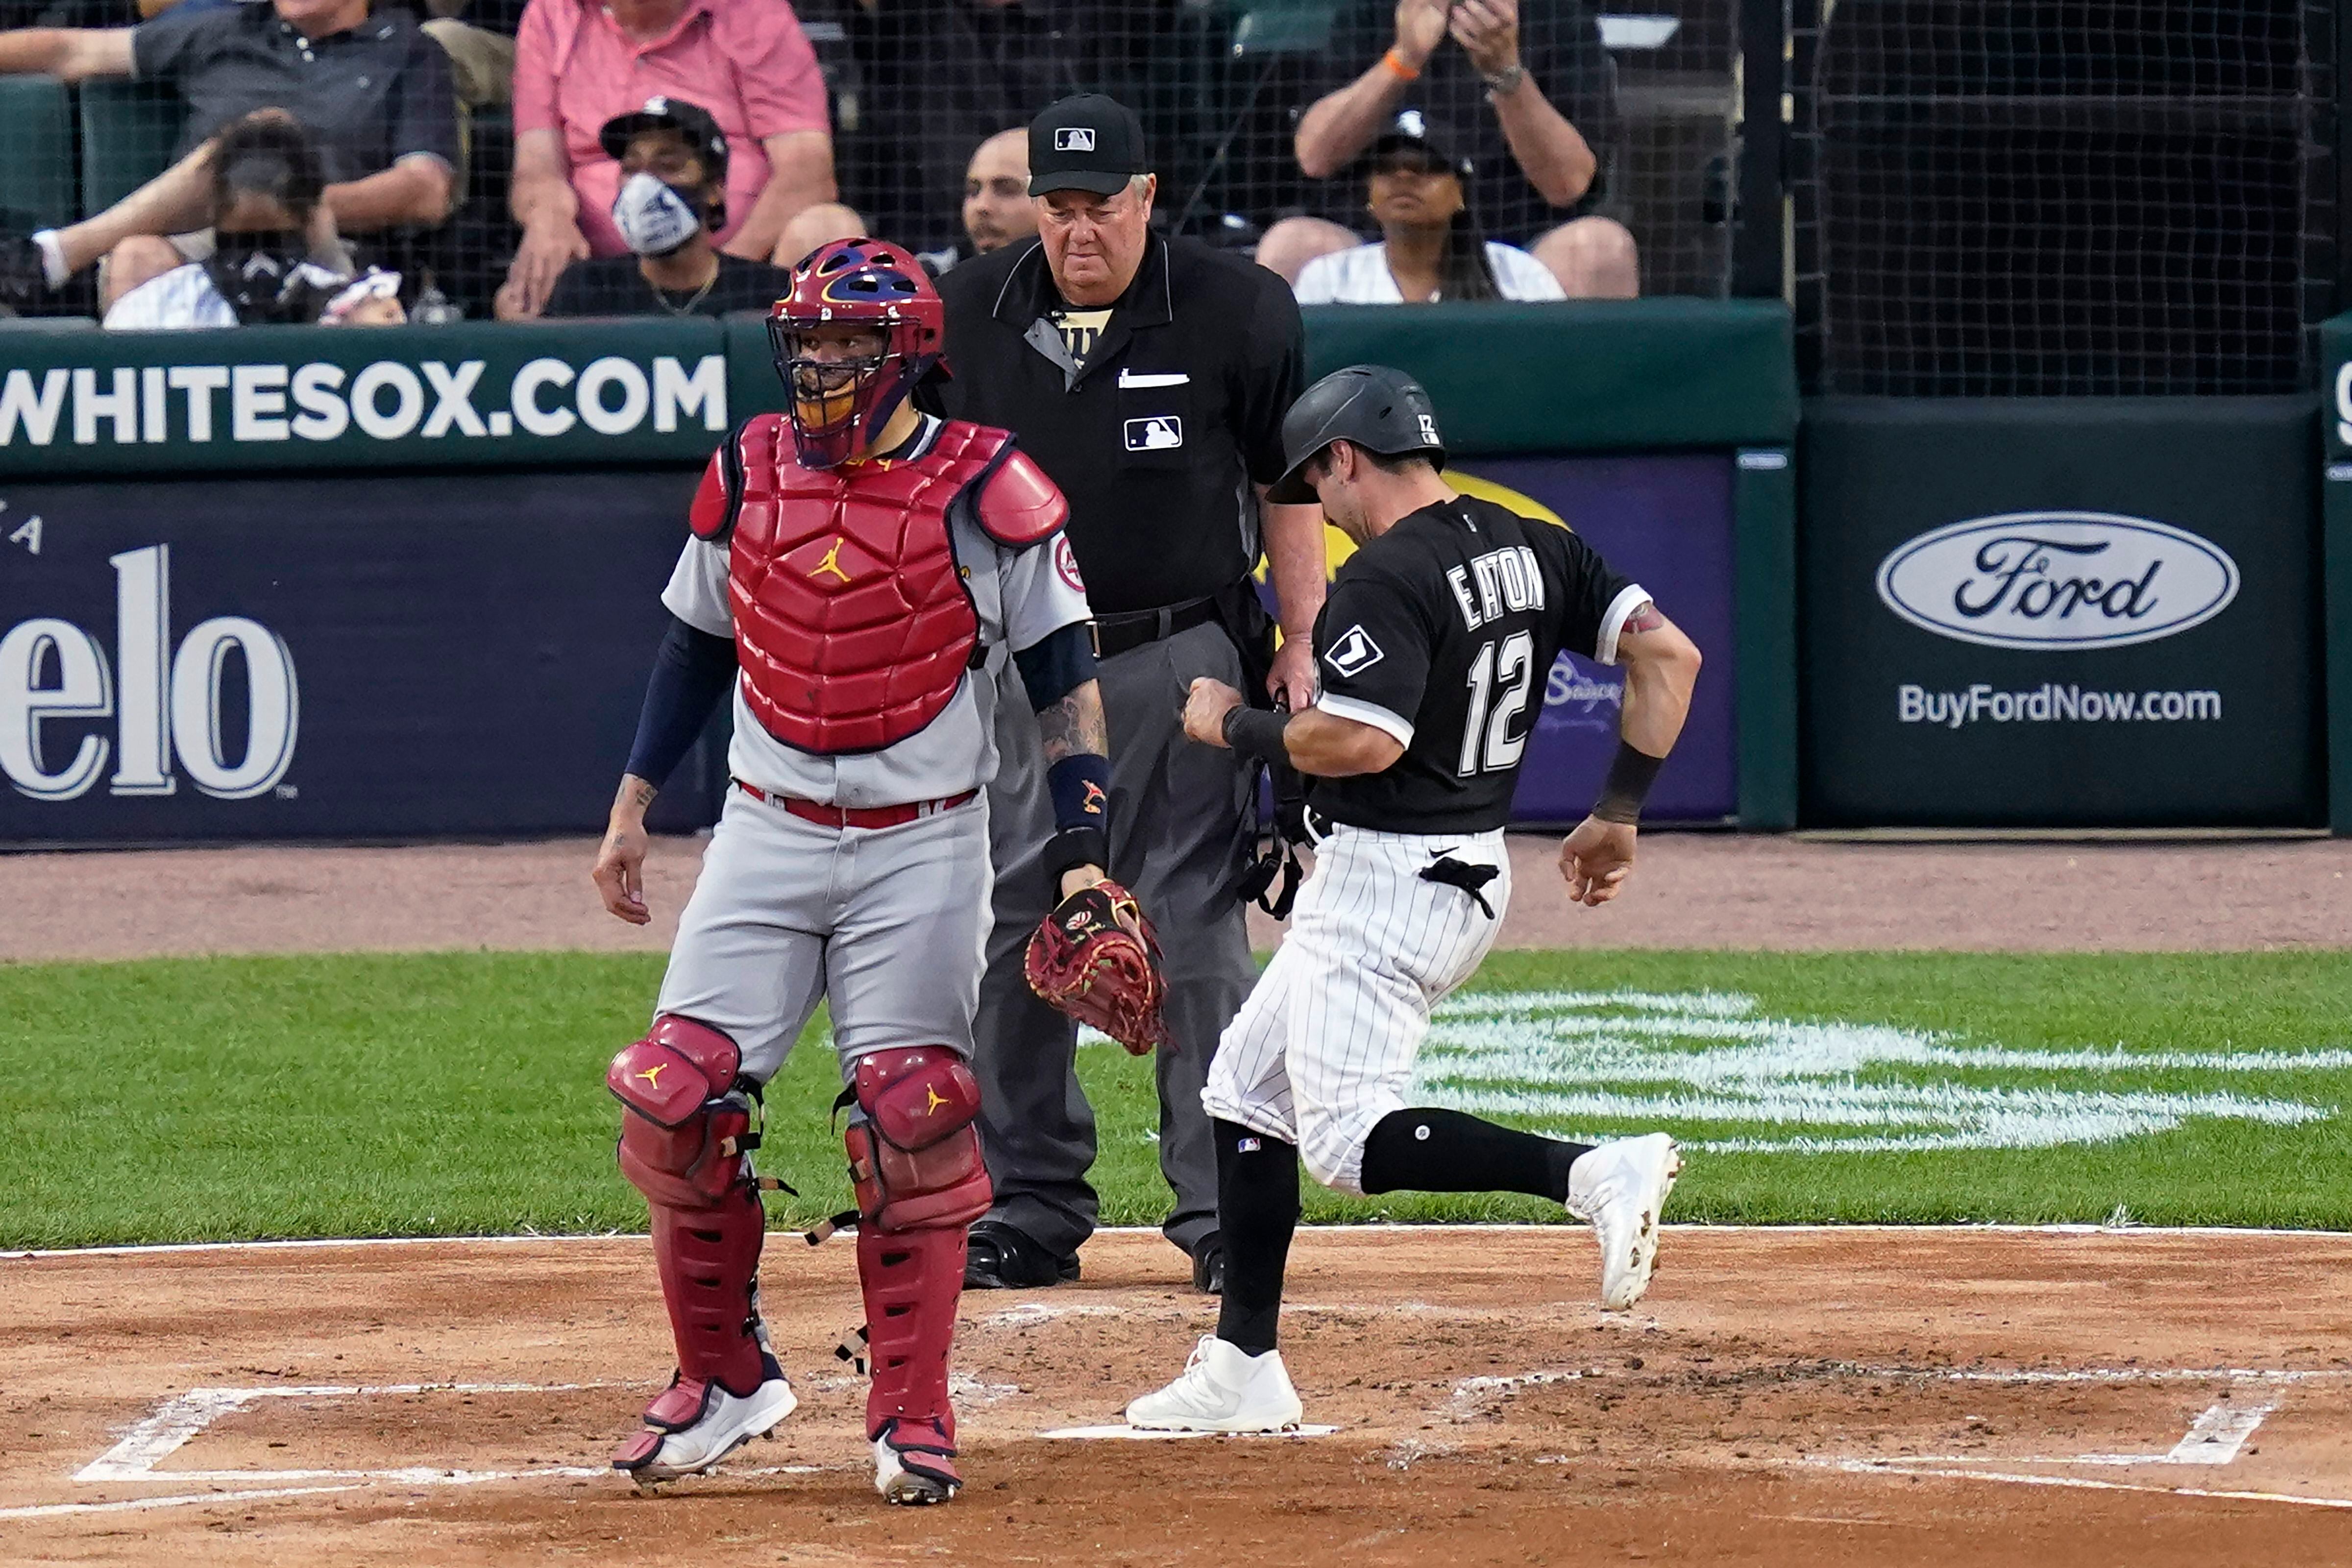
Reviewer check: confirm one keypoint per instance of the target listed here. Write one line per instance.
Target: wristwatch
(1505, 82)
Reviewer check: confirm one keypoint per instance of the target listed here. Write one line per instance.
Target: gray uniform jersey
(1023, 597)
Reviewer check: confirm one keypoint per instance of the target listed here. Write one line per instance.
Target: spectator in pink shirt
(578, 63)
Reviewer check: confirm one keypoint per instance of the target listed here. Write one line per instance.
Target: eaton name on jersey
(1506, 581)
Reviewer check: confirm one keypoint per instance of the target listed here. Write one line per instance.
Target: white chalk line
(184, 1417)
(1377, 1229)
(1120, 1431)
(2085, 1483)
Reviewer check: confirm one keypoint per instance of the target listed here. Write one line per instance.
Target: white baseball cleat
(1224, 1389)
(695, 1422)
(1620, 1186)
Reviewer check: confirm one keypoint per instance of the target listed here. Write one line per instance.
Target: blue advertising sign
(363, 657)
(1665, 521)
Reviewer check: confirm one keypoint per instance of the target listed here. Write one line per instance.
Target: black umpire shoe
(1209, 1265)
(999, 1258)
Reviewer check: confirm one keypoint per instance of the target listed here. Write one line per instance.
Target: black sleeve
(1588, 588)
(571, 296)
(1053, 669)
(692, 671)
(422, 113)
(176, 42)
(1374, 643)
(1271, 375)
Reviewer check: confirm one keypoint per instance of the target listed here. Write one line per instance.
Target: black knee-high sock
(1446, 1151)
(1257, 1209)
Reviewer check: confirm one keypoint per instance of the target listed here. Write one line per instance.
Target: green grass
(178, 1100)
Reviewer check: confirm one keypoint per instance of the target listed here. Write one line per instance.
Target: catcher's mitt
(1096, 959)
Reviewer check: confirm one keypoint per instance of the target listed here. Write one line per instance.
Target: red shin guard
(710, 1260)
(683, 1141)
(911, 1280)
(914, 1160)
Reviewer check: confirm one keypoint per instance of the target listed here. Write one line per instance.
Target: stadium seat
(48, 324)
(37, 177)
(129, 130)
(1283, 27)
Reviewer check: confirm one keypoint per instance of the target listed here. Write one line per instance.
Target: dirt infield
(1691, 890)
(1814, 1398)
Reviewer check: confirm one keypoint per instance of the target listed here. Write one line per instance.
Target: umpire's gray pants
(1177, 843)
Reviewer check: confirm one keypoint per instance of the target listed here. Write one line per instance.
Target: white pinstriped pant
(1324, 1047)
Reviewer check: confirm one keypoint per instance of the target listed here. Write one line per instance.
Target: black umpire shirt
(1443, 633)
(1155, 421)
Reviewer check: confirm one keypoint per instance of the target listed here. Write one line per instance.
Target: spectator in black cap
(1430, 247)
(1148, 376)
(673, 199)
(1522, 87)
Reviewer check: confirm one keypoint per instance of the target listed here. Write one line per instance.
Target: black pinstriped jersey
(1443, 632)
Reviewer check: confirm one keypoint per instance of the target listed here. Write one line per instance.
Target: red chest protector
(853, 625)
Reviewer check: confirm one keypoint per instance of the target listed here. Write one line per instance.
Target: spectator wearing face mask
(673, 199)
(272, 236)
(579, 63)
(997, 210)
(1430, 247)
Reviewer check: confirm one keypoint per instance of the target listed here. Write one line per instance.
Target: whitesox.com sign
(167, 703)
(386, 401)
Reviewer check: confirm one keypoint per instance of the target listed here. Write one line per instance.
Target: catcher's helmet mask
(839, 405)
(1376, 407)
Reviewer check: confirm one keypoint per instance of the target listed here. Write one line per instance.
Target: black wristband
(1256, 733)
(1070, 849)
(1631, 774)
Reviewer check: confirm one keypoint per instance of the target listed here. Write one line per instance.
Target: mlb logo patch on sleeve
(1353, 652)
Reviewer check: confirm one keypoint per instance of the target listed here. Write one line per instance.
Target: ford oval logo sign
(2058, 579)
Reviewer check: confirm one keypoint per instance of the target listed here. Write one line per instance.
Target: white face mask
(653, 218)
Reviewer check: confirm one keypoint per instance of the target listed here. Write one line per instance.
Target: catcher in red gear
(853, 563)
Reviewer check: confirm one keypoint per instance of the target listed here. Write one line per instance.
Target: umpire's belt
(818, 812)
(1117, 634)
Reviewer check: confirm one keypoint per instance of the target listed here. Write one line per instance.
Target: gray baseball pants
(1177, 843)
(884, 923)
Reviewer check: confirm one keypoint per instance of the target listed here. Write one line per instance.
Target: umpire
(1149, 377)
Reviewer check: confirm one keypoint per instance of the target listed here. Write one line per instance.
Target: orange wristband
(1398, 68)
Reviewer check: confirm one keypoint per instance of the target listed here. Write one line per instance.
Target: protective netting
(912, 87)
(2062, 197)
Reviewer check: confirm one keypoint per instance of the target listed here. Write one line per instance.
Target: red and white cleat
(914, 1463)
(695, 1422)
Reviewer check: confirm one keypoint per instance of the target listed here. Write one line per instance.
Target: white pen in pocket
(1130, 379)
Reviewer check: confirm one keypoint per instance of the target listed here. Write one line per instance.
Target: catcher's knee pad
(687, 1126)
(914, 1154)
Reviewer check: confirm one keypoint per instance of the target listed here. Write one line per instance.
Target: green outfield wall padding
(1613, 375)
(2335, 497)
(1619, 376)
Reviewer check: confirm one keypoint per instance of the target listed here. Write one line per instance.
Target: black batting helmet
(1379, 408)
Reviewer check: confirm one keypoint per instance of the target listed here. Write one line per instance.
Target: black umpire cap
(690, 121)
(1379, 408)
(1086, 143)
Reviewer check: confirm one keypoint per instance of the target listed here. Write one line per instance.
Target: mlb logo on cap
(1085, 142)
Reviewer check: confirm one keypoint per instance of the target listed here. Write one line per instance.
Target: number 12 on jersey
(1499, 679)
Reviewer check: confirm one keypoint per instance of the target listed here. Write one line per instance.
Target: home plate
(1138, 1434)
